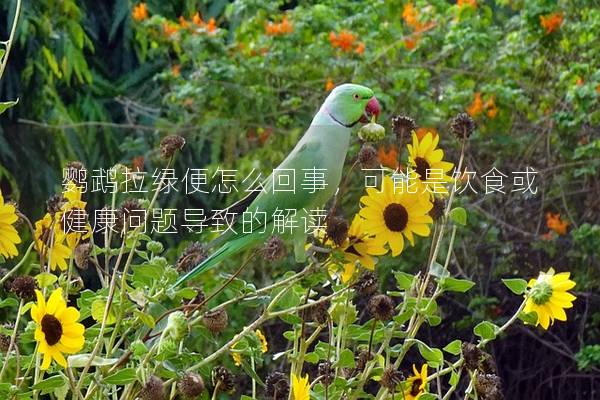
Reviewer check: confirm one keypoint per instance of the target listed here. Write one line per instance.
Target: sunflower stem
(13, 338)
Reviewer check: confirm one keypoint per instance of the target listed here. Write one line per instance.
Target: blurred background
(102, 82)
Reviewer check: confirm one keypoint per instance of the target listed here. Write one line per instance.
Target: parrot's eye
(355, 96)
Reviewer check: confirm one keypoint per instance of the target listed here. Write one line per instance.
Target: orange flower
(360, 49)
(344, 40)
(491, 109)
(211, 26)
(553, 222)
(469, 3)
(137, 164)
(329, 85)
(411, 42)
(409, 15)
(140, 12)
(183, 23)
(421, 132)
(281, 28)
(176, 70)
(286, 26)
(197, 19)
(598, 89)
(579, 81)
(388, 158)
(169, 28)
(476, 106)
(551, 22)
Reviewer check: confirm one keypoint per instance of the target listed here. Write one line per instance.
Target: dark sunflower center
(416, 387)
(395, 217)
(421, 167)
(351, 249)
(52, 328)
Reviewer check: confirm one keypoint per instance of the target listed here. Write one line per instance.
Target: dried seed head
(76, 172)
(471, 354)
(403, 126)
(193, 255)
(4, 342)
(277, 386)
(24, 287)
(318, 312)
(274, 249)
(170, 144)
(391, 378)
(199, 299)
(222, 377)
(361, 361)
(337, 230)
(462, 126)
(439, 205)
(216, 321)
(153, 389)
(326, 372)
(366, 285)
(382, 307)
(130, 209)
(55, 203)
(190, 385)
(82, 255)
(488, 386)
(367, 157)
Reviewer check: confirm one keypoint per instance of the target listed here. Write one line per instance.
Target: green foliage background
(97, 86)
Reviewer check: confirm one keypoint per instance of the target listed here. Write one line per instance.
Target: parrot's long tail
(226, 250)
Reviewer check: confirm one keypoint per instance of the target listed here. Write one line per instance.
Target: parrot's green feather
(324, 147)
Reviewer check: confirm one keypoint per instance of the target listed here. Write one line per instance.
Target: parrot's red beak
(372, 109)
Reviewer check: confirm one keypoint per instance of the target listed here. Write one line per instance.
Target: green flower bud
(371, 132)
(138, 348)
(177, 325)
(155, 247)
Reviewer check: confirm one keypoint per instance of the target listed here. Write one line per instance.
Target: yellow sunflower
(264, 345)
(300, 387)
(394, 213)
(426, 160)
(74, 209)
(549, 297)
(358, 248)
(8, 234)
(416, 384)
(57, 331)
(50, 242)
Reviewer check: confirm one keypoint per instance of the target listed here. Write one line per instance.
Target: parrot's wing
(236, 209)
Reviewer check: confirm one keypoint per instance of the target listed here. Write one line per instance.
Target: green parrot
(323, 147)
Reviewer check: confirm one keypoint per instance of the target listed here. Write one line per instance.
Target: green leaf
(5, 105)
(458, 215)
(517, 286)
(45, 279)
(433, 356)
(453, 378)
(454, 347)
(438, 270)
(530, 318)
(81, 360)
(9, 302)
(49, 384)
(486, 330)
(456, 285)
(404, 280)
(147, 319)
(122, 377)
(346, 359)
(427, 396)
(98, 307)
(52, 63)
